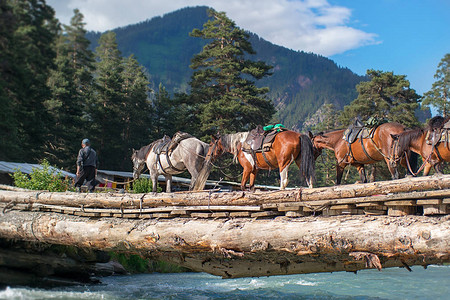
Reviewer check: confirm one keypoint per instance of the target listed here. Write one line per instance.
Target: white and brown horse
(287, 147)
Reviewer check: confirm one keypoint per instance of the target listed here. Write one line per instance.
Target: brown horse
(425, 142)
(361, 152)
(288, 146)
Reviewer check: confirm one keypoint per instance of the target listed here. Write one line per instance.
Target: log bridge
(396, 223)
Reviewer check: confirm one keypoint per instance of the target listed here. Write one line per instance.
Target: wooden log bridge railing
(351, 227)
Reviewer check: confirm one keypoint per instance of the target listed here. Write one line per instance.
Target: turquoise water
(395, 283)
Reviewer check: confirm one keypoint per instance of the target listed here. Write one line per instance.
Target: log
(417, 187)
(249, 247)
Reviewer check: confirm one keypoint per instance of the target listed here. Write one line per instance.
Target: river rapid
(394, 283)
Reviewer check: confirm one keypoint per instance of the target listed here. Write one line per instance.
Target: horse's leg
(284, 178)
(168, 183)
(339, 173)
(392, 166)
(154, 178)
(362, 173)
(245, 177)
(253, 179)
(193, 169)
(437, 168)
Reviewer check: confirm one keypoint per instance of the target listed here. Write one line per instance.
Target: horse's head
(138, 164)
(216, 147)
(317, 145)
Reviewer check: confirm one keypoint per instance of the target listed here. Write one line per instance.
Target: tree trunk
(121, 201)
(249, 247)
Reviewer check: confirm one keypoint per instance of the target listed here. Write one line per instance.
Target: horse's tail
(203, 175)
(307, 161)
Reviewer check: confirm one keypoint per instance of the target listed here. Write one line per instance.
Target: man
(87, 164)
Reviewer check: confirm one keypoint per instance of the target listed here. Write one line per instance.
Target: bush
(143, 185)
(42, 179)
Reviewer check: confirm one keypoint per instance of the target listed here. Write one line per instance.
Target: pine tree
(120, 111)
(439, 94)
(221, 86)
(163, 111)
(106, 107)
(9, 126)
(31, 30)
(71, 85)
(387, 96)
(136, 110)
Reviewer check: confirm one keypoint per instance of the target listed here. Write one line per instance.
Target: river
(394, 283)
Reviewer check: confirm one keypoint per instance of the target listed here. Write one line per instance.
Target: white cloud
(308, 25)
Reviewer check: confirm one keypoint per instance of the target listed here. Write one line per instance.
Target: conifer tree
(222, 86)
(439, 94)
(387, 96)
(105, 111)
(30, 30)
(9, 125)
(71, 85)
(120, 112)
(163, 111)
(136, 109)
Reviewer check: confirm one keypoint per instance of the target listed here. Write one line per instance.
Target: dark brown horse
(288, 146)
(427, 143)
(361, 152)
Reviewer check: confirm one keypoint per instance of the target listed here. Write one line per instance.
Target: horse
(184, 152)
(427, 143)
(287, 147)
(362, 152)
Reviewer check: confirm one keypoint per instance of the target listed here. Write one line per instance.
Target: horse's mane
(436, 123)
(141, 154)
(231, 141)
(405, 138)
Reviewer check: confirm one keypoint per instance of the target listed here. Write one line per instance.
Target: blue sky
(413, 36)
(407, 37)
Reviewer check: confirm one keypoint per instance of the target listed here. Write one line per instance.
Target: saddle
(357, 130)
(439, 135)
(163, 145)
(168, 144)
(260, 140)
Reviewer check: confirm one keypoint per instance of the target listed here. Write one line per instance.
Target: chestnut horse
(425, 142)
(361, 152)
(288, 146)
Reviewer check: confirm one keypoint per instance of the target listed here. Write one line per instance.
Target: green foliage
(439, 95)
(71, 84)
(387, 96)
(28, 30)
(142, 185)
(42, 179)
(120, 111)
(222, 86)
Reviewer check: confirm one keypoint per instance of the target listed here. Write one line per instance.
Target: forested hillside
(300, 84)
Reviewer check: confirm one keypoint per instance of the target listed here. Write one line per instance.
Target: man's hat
(86, 142)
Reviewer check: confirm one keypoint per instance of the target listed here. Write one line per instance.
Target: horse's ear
(311, 135)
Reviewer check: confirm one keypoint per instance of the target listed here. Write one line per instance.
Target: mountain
(301, 82)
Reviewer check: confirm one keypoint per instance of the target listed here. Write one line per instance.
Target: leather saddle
(168, 144)
(260, 140)
(356, 131)
(438, 135)
(163, 145)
